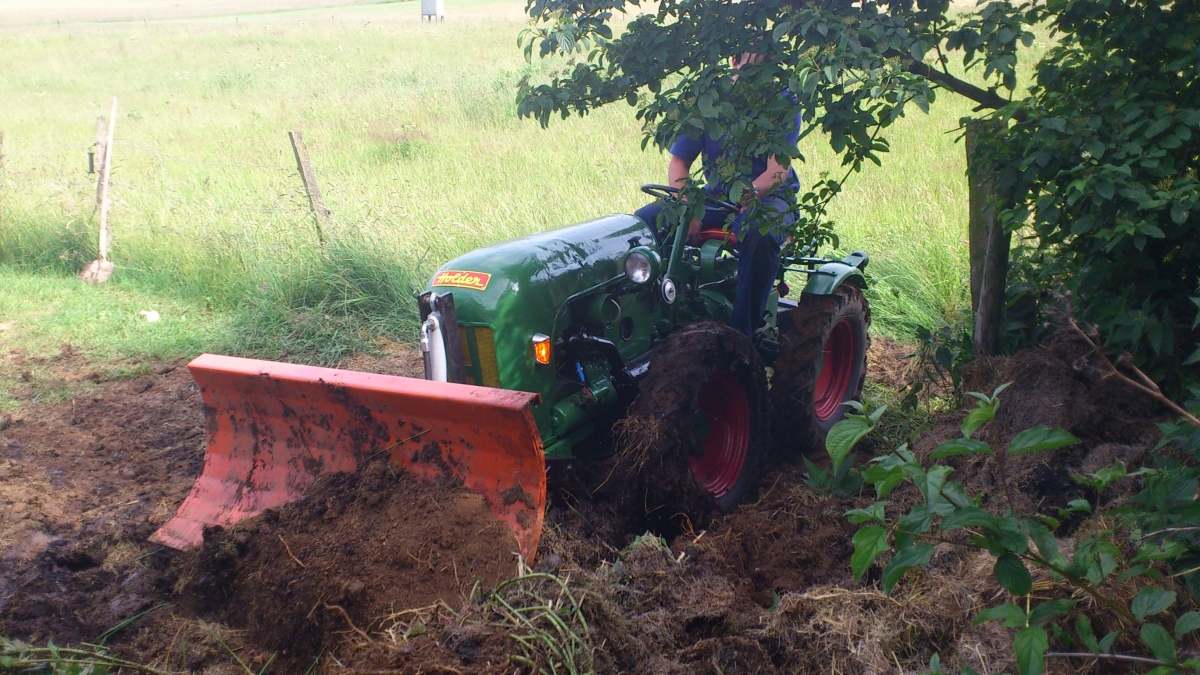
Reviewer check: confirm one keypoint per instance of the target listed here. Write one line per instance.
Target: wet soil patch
(357, 549)
(83, 483)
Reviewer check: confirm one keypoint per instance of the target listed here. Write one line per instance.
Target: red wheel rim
(837, 367)
(726, 408)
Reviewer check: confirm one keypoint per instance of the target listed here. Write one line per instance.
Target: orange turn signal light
(541, 348)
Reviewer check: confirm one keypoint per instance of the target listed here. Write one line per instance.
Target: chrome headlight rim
(669, 292)
(641, 265)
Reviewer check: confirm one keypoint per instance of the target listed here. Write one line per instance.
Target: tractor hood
(545, 268)
(518, 288)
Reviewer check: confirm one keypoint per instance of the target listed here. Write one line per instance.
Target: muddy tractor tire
(695, 438)
(822, 363)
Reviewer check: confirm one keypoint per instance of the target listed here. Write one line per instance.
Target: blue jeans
(758, 259)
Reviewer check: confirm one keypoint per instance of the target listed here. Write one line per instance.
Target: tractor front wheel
(696, 435)
(822, 363)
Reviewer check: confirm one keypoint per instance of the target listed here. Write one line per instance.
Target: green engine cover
(539, 284)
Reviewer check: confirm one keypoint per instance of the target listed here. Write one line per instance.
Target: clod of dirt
(83, 483)
(356, 549)
(1059, 384)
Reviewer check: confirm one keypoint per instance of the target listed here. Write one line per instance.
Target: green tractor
(607, 324)
(538, 349)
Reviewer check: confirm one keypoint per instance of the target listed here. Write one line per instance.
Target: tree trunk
(989, 246)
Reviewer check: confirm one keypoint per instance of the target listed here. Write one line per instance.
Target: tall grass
(417, 149)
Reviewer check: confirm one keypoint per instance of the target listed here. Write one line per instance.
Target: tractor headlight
(641, 265)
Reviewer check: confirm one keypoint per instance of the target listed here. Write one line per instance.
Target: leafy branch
(1019, 542)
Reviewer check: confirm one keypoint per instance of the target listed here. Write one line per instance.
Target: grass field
(418, 150)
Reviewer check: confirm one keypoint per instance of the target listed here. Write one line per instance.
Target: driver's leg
(758, 263)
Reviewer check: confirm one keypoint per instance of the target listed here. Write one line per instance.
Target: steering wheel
(669, 193)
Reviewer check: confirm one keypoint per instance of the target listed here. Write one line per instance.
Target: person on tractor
(758, 262)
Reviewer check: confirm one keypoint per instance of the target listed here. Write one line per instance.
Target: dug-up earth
(371, 573)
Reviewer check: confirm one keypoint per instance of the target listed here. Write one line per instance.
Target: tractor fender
(829, 277)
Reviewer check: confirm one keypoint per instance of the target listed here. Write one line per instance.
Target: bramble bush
(1101, 159)
(1151, 537)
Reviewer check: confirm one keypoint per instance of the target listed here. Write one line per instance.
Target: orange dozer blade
(273, 428)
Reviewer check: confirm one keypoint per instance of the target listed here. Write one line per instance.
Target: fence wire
(152, 151)
(160, 192)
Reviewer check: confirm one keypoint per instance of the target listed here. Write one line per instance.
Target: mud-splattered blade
(273, 428)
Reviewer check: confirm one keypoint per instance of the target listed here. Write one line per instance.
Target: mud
(83, 483)
(357, 549)
(652, 476)
(1059, 384)
(370, 574)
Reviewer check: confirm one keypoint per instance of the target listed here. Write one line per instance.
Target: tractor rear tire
(822, 363)
(695, 438)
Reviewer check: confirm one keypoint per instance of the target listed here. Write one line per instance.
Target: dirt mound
(1059, 384)
(83, 482)
(354, 551)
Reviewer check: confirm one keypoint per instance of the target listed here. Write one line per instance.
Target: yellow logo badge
(476, 281)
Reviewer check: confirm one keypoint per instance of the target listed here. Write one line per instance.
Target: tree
(1101, 159)
(855, 66)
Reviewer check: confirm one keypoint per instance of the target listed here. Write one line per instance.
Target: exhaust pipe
(433, 349)
(441, 343)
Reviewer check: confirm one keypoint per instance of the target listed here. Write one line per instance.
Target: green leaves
(1186, 624)
(967, 516)
(1018, 542)
(984, 411)
(841, 478)
(873, 512)
(1083, 626)
(1010, 614)
(1045, 611)
(844, 436)
(1010, 572)
(1159, 641)
(960, 446)
(916, 555)
(977, 418)
(869, 543)
(1030, 646)
(1040, 438)
(1151, 600)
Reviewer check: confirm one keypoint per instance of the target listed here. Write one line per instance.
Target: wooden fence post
(310, 183)
(101, 156)
(105, 177)
(989, 247)
(101, 269)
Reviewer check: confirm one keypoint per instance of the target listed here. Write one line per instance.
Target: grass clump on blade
(546, 619)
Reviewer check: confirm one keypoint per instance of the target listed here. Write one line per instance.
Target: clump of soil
(1059, 384)
(358, 548)
(83, 482)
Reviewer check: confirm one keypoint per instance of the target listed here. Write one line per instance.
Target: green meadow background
(412, 130)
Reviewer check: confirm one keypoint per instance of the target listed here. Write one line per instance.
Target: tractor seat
(719, 235)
